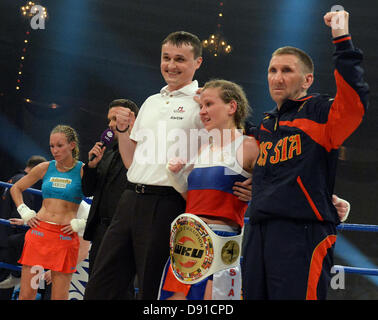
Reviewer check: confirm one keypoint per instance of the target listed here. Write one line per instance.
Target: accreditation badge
(197, 252)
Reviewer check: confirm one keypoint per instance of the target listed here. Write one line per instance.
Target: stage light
(28, 11)
(216, 44)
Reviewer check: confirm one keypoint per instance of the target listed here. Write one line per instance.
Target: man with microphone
(105, 179)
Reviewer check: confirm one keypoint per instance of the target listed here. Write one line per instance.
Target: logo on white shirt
(179, 110)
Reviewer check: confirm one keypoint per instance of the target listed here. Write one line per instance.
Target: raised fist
(338, 21)
(125, 119)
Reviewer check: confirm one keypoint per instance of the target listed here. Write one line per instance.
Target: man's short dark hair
(35, 160)
(124, 103)
(179, 38)
(304, 58)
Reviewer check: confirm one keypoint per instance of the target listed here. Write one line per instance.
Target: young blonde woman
(207, 187)
(229, 157)
(52, 241)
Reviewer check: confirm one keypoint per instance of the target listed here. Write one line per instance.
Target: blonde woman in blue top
(52, 241)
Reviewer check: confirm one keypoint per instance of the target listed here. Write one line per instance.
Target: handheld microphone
(106, 137)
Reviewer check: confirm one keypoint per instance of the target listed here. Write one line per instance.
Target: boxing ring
(80, 277)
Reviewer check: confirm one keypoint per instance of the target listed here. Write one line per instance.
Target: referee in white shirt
(137, 241)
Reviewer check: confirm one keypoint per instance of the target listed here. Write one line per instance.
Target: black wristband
(122, 131)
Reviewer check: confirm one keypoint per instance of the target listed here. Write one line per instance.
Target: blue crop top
(63, 185)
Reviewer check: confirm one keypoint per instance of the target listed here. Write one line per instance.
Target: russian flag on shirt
(210, 193)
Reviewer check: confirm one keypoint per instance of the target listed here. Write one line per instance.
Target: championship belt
(197, 252)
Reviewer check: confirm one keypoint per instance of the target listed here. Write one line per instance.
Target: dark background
(94, 51)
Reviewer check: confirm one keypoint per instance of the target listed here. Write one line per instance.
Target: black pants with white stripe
(136, 243)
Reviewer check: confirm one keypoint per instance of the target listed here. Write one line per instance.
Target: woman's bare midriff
(57, 211)
(219, 220)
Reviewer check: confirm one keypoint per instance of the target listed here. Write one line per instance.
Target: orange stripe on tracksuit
(344, 117)
(294, 178)
(342, 39)
(346, 112)
(312, 204)
(316, 266)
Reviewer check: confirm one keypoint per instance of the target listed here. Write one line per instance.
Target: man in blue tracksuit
(289, 251)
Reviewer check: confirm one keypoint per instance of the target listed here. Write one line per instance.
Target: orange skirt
(47, 246)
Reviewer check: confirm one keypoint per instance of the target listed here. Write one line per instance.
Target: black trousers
(96, 241)
(136, 243)
(288, 259)
(98, 236)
